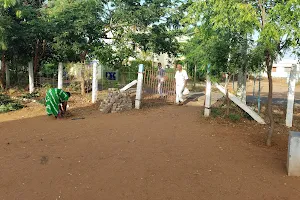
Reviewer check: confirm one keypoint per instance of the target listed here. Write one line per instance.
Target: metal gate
(155, 89)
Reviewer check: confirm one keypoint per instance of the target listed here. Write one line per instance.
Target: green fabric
(54, 97)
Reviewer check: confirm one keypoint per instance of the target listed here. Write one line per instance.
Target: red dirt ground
(157, 153)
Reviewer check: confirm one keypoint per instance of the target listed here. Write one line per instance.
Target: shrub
(234, 117)
(7, 104)
(215, 112)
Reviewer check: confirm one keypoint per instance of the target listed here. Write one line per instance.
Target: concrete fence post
(95, 81)
(207, 109)
(60, 76)
(291, 97)
(139, 87)
(31, 77)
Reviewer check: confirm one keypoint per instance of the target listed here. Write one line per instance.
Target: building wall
(282, 69)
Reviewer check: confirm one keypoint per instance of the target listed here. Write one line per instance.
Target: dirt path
(163, 153)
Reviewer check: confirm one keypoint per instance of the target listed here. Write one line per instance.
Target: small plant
(42, 101)
(32, 95)
(215, 112)
(234, 117)
(46, 86)
(7, 104)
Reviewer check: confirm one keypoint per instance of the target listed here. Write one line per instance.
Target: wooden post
(31, 77)
(291, 97)
(95, 81)
(139, 87)
(207, 95)
(60, 76)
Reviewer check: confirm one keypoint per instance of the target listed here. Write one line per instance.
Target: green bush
(234, 117)
(46, 86)
(42, 101)
(7, 104)
(32, 95)
(215, 112)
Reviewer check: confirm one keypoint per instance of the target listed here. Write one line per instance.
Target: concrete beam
(129, 85)
(242, 105)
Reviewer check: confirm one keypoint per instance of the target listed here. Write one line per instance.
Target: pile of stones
(116, 101)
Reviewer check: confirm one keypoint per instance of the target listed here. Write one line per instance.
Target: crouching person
(56, 102)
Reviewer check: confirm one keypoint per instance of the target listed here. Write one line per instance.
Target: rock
(116, 101)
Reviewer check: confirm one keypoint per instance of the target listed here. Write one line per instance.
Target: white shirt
(181, 77)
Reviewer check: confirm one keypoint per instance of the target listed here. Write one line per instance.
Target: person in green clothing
(56, 102)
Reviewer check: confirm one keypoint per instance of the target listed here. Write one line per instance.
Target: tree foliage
(229, 34)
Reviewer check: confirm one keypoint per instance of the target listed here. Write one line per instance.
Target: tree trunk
(36, 63)
(233, 82)
(241, 88)
(254, 81)
(227, 98)
(82, 59)
(3, 71)
(258, 98)
(82, 80)
(123, 78)
(195, 76)
(7, 76)
(269, 63)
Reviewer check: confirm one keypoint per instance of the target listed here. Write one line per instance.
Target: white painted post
(291, 97)
(31, 77)
(139, 87)
(293, 160)
(207, 95)
(60, 76)
(95, 81)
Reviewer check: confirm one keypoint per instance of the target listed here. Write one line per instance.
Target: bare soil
(160, 152)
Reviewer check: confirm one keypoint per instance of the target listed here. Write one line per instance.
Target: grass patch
(216, 112)
(234, 117)
(31, 96)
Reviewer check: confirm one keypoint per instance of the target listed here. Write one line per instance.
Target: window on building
(274, 69)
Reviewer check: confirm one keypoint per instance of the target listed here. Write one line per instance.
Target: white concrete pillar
(139, 87)
(293, 161)
(95, 81)
(31, 77)
(207, 97)
(291, 97)
(60, 76)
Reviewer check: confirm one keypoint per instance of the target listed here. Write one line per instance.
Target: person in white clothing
(181, 78)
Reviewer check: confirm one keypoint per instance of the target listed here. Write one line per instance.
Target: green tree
(278, 31)
(233, 23)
